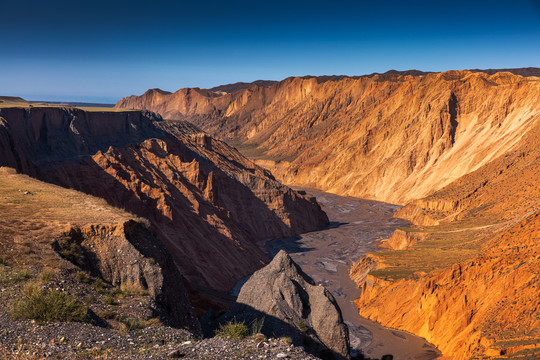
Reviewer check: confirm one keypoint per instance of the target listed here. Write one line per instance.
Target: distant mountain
(322, 131)
(11, 99)
(230, 88)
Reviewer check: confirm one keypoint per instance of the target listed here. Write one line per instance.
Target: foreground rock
(293, 306)
(128, 256)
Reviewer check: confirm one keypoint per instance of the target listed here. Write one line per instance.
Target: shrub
(130, 288)
(287, 339)
(233, 330)
(82, 277)
(9, 275)
(69, 248)
(131, 323)
(302, 326)
(52, 305)
(46, 275)
(110, 300)
(100, 286)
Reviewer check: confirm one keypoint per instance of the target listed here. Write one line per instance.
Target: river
(326, 255)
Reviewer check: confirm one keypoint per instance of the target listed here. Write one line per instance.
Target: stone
(293, 306)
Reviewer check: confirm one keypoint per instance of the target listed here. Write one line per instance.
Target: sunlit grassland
(33, 212)
(443, 246)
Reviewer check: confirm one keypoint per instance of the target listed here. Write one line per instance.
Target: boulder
(292, 305)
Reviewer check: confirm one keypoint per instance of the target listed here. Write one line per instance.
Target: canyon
(391, 138)
(201, 198)
(459, 150)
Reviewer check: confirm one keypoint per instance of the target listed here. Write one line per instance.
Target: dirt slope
(387, 137)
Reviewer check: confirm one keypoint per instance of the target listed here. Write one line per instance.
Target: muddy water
(326, 255)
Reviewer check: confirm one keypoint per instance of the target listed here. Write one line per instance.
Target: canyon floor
(356, 227)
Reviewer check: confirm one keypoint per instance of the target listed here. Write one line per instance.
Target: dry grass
(8, 103)
(444, 246)
(32, 213)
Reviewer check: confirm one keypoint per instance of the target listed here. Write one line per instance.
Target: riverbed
(356, 227)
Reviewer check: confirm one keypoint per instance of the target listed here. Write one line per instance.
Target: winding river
(326, 255)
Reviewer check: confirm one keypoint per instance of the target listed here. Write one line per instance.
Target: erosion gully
(326, 255)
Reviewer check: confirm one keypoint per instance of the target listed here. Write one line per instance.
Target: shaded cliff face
(205, 201)
(292, 305)
(128, 256)
(387, 137)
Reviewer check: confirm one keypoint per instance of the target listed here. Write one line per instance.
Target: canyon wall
(387, 137)
(486, 305)
(205, 201)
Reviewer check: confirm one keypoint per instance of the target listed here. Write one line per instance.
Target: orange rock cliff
(386, 137)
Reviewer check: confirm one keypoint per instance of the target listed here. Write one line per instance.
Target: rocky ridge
(203, 199)
(388, 137)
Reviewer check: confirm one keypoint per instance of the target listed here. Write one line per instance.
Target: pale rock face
(292, 305)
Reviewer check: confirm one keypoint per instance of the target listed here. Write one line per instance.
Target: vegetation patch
(233, 330)
(10, 276)
(52, 305)
(444, 246)
(302, 326)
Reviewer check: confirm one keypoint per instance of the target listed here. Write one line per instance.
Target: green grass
(45, 306)
(302, 326)
(233, 330)
(256, 326)
(10, 276)
(443, 246)
(47, 275)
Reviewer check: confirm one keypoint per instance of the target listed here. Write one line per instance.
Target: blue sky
(100, 51)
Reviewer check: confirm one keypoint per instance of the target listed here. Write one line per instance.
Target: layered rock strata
(387, 137)
(204, 200)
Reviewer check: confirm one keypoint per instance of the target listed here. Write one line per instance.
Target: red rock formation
(465, 310)
(401, 239)
(204, 200)
(488, 305)
(387, 137)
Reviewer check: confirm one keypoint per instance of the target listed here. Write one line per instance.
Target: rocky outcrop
(203, 199)
(387, 137)
(292, 305)
(401, 240)
(127, 255)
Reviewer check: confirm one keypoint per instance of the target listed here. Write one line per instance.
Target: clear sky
(100, 51)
